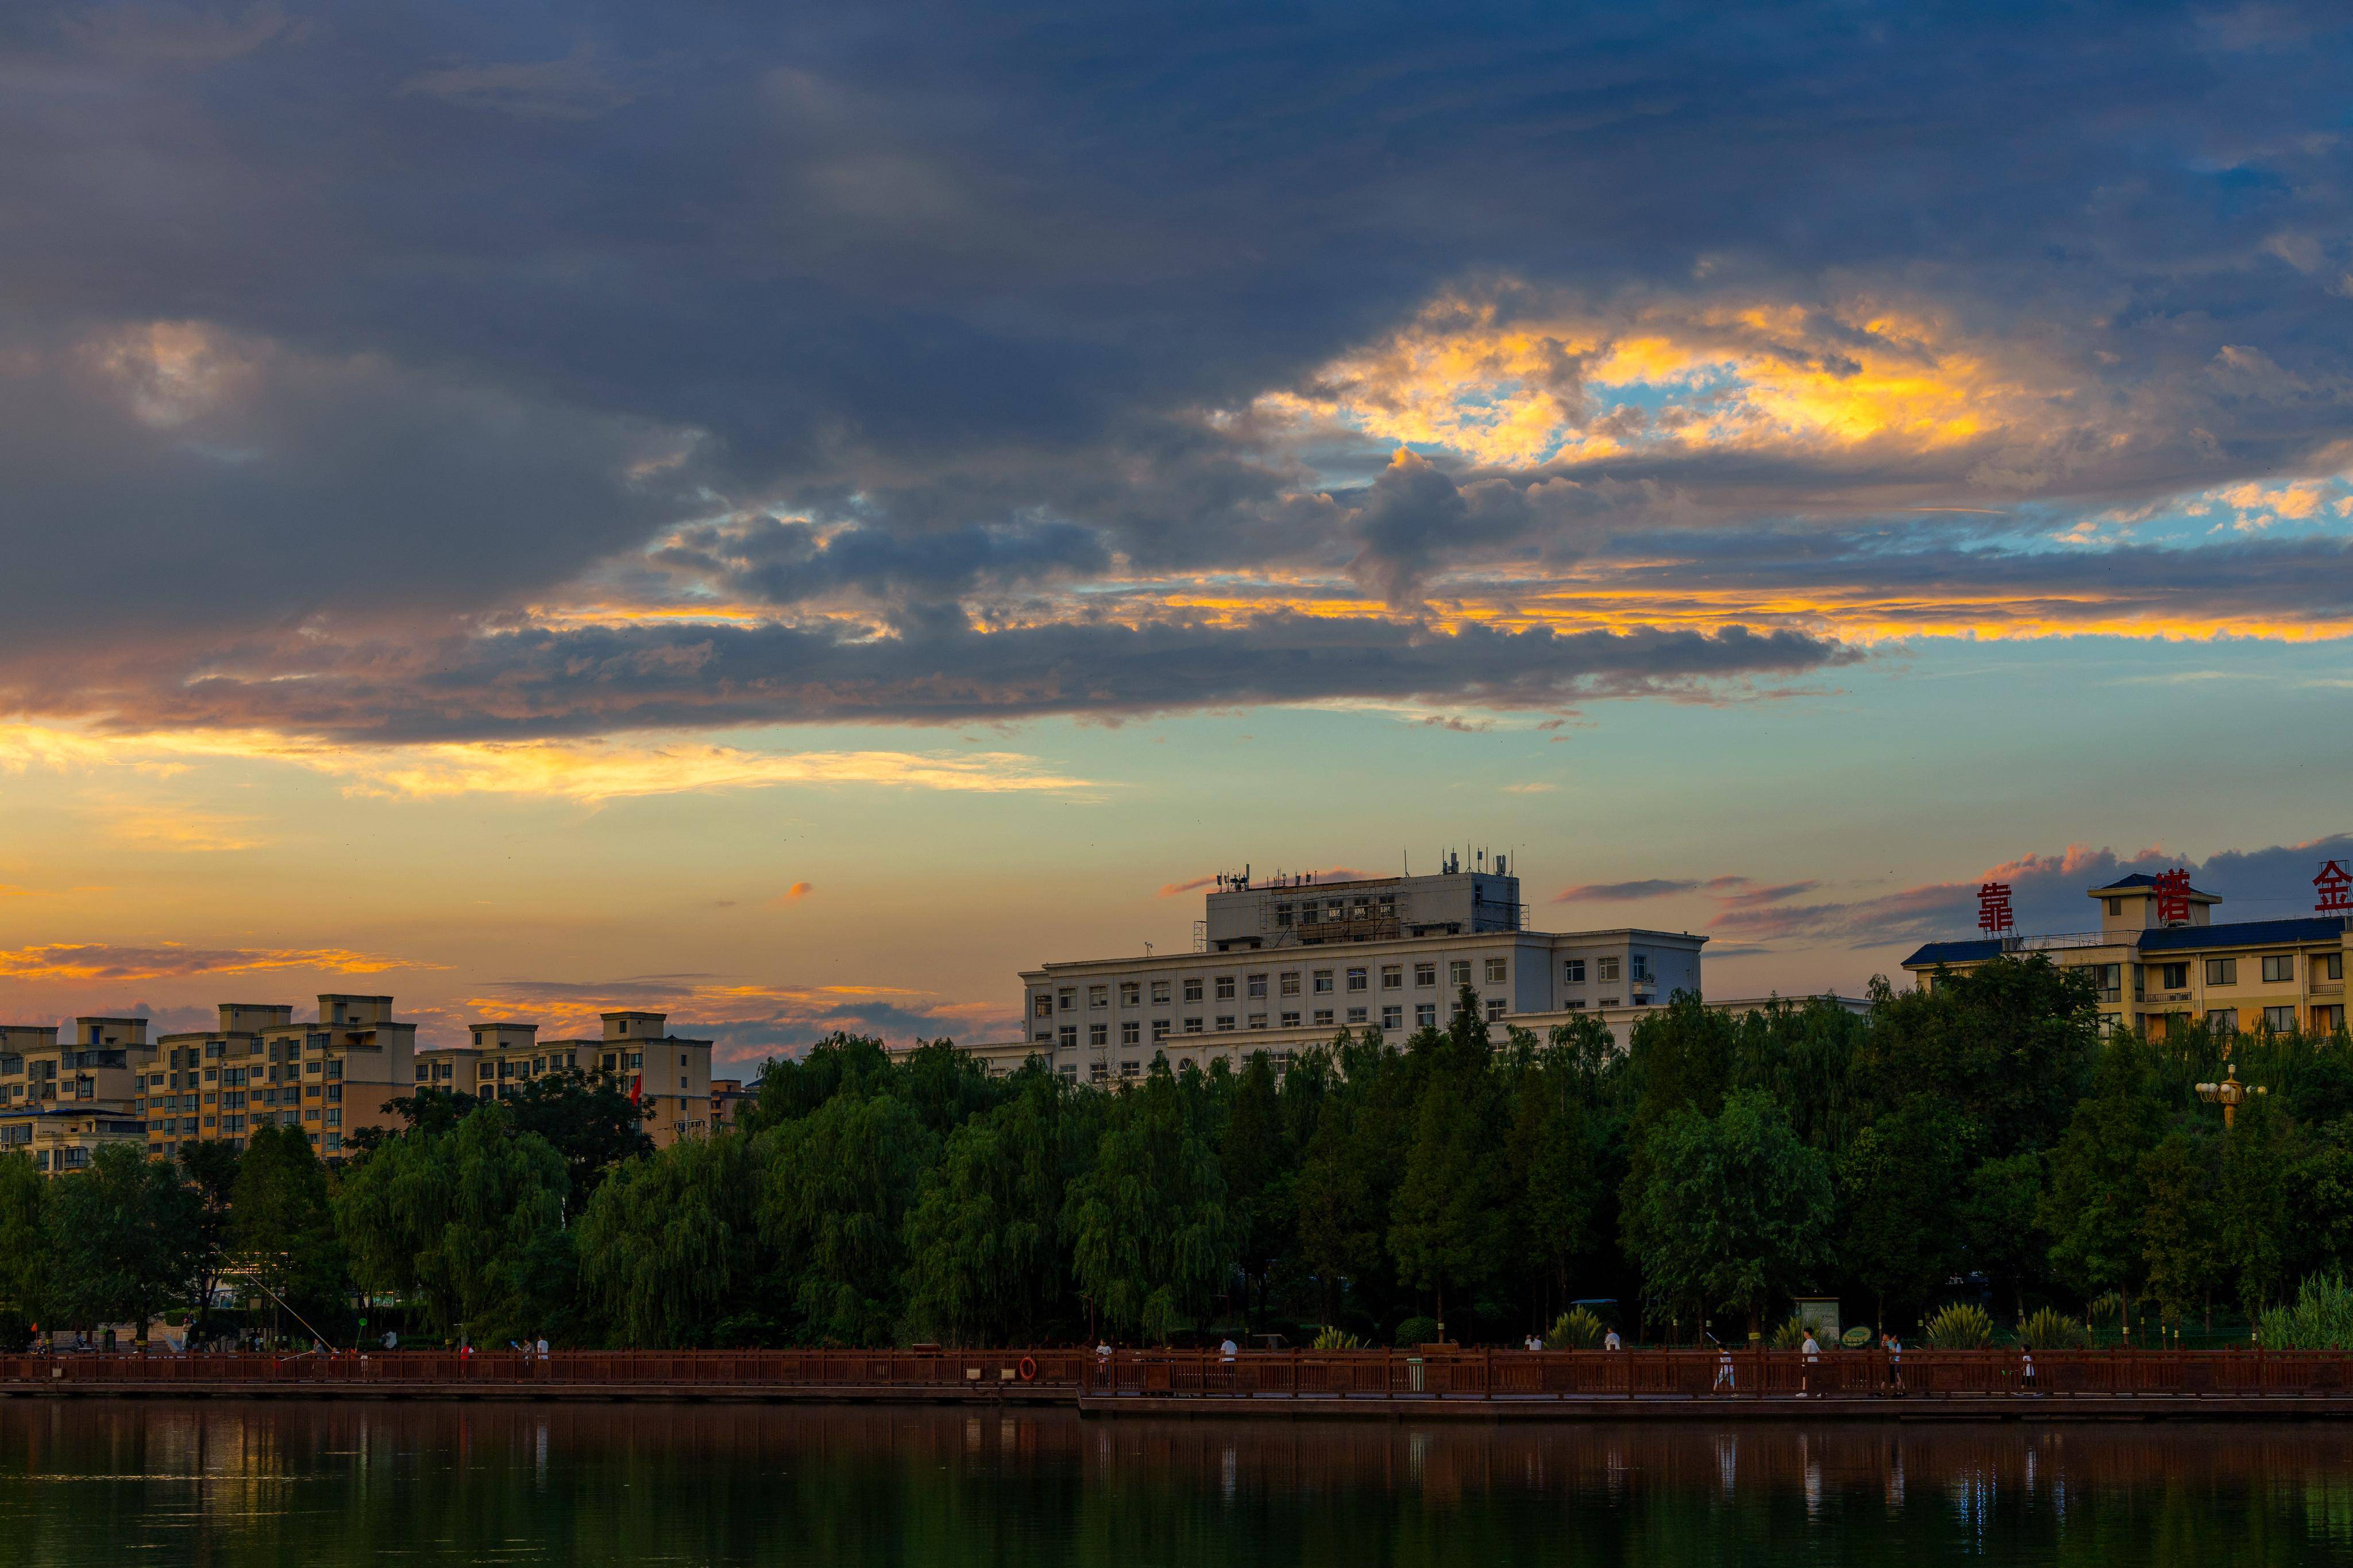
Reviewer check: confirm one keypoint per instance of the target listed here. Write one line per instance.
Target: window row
(1288, 983)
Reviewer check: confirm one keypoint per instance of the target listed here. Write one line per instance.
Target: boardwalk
(1490, 1386)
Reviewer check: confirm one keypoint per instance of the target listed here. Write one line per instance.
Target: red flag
(636, 1087)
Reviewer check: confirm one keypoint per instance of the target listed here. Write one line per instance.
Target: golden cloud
(173, 960)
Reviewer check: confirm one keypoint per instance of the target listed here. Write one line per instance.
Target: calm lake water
(334, 1483)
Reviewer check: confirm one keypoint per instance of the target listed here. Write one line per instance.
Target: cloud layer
(457, 373)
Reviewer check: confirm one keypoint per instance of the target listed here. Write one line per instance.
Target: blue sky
(498, 497)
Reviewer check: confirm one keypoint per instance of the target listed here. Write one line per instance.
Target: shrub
(1789, 1335)
(2109, 1308)
(1417, 1332)
(2048, 1328)
(2321, 1319)
(1574, 1330)
(1962, 1326)
(1331, 1338)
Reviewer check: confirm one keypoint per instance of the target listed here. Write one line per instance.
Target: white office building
(1281, 966)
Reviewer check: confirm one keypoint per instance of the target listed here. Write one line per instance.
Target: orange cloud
(171, 961)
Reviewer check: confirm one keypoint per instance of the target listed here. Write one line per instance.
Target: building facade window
(1393, 1017)
(2279, 1020)
(1130, 994)
(1098, 1033)
(1392, 976)
(1160, 993)
(2279, 968)
(1324, 1017)
(2223, 1020)
(1192, 1025)
(1290, 983)
(2173, 976)
(1069, 998)
(1496, 1010)
(1257, 987)
(1425, 975)
(1131, 1031)
(1225, 987)
(1323, 982)
(1458, 972)
(1070, 1040)
(1425, 1014)
(1159, 1030)
(2329, 1020)
(1641, 962)
(1225, 1023)
(1357, 979)
(1498, 971)
(2328, 966)
(1606, 969)
(1356, 1015)
(2221, 972)
(1193, 990)
(1257, 1020)
(1098, 996)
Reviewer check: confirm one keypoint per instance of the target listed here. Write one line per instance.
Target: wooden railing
(782, 1369)
(1688, 1374)
(1437, 1374)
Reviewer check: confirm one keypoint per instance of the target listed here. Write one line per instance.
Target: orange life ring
(1029, 1370)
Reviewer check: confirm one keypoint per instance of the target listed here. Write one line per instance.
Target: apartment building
(670, 1074)
(330, 1075)
(63, 1099)
(2158, 969)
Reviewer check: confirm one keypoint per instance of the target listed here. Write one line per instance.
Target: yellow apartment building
(2158, 975)
(671, 1074)
(63, 1099)
(329, 1076)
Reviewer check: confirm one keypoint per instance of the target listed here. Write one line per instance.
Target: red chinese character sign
(2172, 888)
(2336, 887)
(1993, 909)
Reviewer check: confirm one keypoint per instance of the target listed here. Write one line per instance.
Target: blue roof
(2137, 880)
(2243, 933)
(1956, 952)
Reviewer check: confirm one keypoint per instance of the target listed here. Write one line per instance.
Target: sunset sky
(788, 514)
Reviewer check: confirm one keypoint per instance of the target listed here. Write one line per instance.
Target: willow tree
(985, 1262)
(835, 1187)
(469, 1222)
(669, 1248)
(1150, 1241)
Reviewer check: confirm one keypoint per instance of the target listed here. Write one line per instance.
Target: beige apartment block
(330, 1075)
(2158, 976)
(670, 1075)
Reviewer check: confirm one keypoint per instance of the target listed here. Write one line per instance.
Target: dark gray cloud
(460, 303)
(538, 682)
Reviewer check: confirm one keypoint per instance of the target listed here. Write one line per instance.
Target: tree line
(1979, 1143)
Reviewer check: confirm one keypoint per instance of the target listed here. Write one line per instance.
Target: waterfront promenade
(1640, 1385)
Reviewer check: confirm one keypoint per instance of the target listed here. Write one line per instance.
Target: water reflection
(334, 1483)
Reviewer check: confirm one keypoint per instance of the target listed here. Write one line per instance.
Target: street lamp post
(2230, 1094)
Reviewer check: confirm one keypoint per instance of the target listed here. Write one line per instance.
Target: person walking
(1894, 1348)
(1812, 1352)
(1724, 1377)
(1610, 1341)
(2025, 1367)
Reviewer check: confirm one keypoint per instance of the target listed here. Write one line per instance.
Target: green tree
(468, 1221)
(1448, 1223)
(835, 1191)
(2098, 1190)
(123, 1238)
(2180, 1240)
(281, 1230)
(1256, 1157)
(1150, 1236)
(26, 1265)
(592, 1122)
(1553, 1181)
(1726, 1212)
(1348, 1170)
(2257, 1188)
(2007, 1046)
(211, 1165)
(2001, 1224)
(985, 1260)
(669, 1248)
(1899, 1233)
